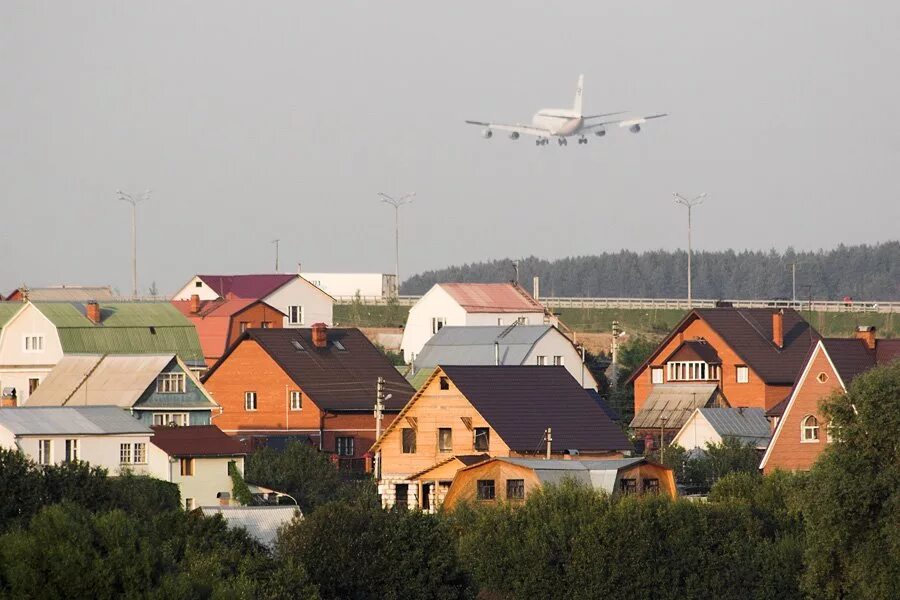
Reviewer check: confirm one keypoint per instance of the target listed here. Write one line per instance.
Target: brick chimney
(778, 328)
(195, 304)
(92, 311)
(866, 333)
(320, 335)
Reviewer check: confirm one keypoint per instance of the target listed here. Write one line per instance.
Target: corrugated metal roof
(68, 293)
(182, 341)
(747, 424)
(492, 297)
(261, 522)
(674, 401)
(68, 420)
(601, 474)
(247, 286)
(475, 345)
(196, 440)
(7, 310)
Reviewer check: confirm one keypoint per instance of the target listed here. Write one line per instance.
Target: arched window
(809, 429)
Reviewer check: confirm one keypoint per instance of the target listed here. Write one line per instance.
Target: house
(199, 459)
(510, 479)
(350, 285)
(221, 321)
(719, 357)
(713, 425)
(262, 523)
(62, 293)
(493, 410)
(461, 304)
(36, 335)
(157, 389)
(301, 302)
(512, 344)
(317, 383)
(802, 431)
(104, 436)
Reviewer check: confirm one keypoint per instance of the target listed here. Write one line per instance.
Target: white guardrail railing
(668, 303)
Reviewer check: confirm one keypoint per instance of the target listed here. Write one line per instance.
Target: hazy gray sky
(253, 121)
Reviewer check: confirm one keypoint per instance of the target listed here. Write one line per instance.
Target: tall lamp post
(397, 203)
(133, 201)
(690, 204)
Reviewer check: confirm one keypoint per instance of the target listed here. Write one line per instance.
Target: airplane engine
(635, 129)
(600, 132)
(514, 135)
(487, 134)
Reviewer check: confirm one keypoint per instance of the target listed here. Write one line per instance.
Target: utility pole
(794, 266)
(616, 332)
(515, 265)
(275, 241)
(133, 201)
(397, 203)
(690, 204)
(662, 439)
(548, 436)
(379, 411)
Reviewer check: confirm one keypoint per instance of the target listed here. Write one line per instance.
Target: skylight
(339, 345)
(297, 345)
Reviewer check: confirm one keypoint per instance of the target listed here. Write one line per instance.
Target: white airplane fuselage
(561, 122)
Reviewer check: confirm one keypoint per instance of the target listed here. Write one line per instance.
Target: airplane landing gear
(562, 141)
(582, 140)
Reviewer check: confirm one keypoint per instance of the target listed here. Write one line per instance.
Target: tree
(299, 470)
(631, 355)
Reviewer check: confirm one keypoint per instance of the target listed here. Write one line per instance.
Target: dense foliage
(863, 272)
(699, 469)
(631, 355)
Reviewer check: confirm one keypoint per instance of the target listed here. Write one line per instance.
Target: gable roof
(692, 350)
(195, 440)
(213, 322)
(70, 420)
(7, 311)
(600, 474)
(474, 345)
(262, 523)
(749, 425)
(748, 331)
(247, 286)
(669, 405)
(333, 379)
(492, 297)
(465, 460)
(63, 293)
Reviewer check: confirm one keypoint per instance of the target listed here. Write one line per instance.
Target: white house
(502, 345)
(197, 458)
(461, 304)
(104, 436)
(712, 425)
(301, 302)
(348, 285)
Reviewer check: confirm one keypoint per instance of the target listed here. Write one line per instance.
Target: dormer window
(691, 371)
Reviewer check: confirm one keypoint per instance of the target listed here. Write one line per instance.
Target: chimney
(195, 304)
(778, 328)
(866, 333)
(319, 335)
(92, 311)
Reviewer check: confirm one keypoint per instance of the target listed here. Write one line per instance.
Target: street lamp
(689, 203)
(133, 201)
(397, 203)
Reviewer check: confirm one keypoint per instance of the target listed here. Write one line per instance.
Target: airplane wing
(586, 117)
(522, 129)
(624, 122)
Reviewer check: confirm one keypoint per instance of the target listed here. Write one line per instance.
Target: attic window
(198, 284)
(339, 346)
(152, 330)
(445, 383)
(822, 377)
(297, 346)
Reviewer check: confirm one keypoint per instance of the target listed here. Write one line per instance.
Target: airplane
(563, 123)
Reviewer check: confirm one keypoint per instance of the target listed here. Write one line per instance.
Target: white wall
(98, 450)
(696, 433)
(435, 303)
(17, 365)
(506, 318)
(204, 291)
(348, 284)
(554, 343)
(210, 476)
(318, 307)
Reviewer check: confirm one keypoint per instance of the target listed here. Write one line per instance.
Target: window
(34, 343)
(656, 375)
(409, 440)
(485, 489)
(33, 384)
(198, 284)
(245, 325)
(690, 371)
(499, 321)
(71, 451)
(482, 439)
(445, 439)
(124, 454)
(296, 400)
(401, 495)
(822, 377)
(170, 383)
(188, 504)
(651, 486)
(171, 419)
(809, 429)
(343, 446)
(249, 400)
(515, 489)
(541, 360)
(743, 374)
(266, 324)
(295, 315)
(522, 321)
(187, 467)
(445, 383)
(140, 453)
(45, 452)
(437, 323)
(557, 361)
(628, 486)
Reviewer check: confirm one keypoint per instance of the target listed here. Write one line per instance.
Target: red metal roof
(246, 286)
(195, 440)
(492, 297)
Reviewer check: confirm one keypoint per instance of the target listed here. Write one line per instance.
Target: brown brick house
(720, 357)
(318, 383)
(801, 430)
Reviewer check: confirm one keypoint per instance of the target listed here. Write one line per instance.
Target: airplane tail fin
(578, 93)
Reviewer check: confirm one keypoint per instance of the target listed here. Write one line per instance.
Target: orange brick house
(801, 430)
(317, 384)
(720, 357)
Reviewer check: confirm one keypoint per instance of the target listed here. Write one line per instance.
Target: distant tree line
(862, 272)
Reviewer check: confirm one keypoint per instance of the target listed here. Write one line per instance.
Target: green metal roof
(419, 379)
(7, 310)
(115, 314)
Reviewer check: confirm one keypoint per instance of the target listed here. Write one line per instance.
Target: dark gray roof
(66, 420)
(746, 424)
(520, 402)
(474, 345)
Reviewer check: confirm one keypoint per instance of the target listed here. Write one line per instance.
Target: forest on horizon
(863, 272)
